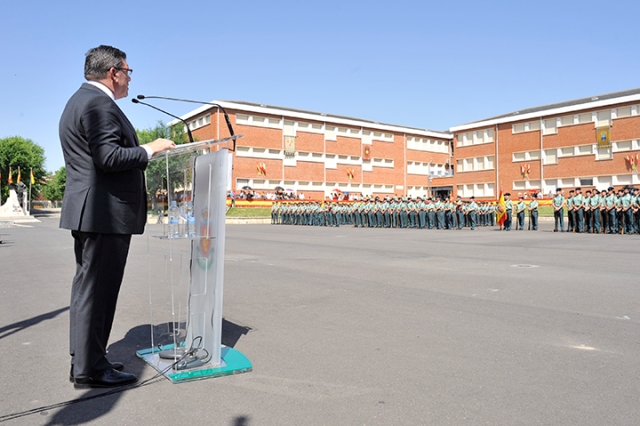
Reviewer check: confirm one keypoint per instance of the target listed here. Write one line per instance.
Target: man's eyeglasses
(127, 70)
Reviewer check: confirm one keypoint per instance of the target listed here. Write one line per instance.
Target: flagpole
(29, 202)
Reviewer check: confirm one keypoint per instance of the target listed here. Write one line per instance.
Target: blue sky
(427, 64)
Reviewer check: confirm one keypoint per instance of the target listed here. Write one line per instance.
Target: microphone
(135, 101)
(226, 116)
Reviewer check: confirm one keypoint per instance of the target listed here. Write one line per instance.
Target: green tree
(53, 190)
(16, 151)
(156, 172)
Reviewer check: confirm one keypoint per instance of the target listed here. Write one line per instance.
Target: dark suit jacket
(105, 189)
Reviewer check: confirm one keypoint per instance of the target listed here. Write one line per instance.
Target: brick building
(552, 146)
(316, 153)
(586, 142)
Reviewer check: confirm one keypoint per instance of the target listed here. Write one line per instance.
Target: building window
(622, 146)
(567, 120)
(566, 151)
(623, 112)
(603, 118)
(551, 156)
(586, 181)
(519, 156)
(550, 127)
(604, 154)
(585, 118)
(585, 149)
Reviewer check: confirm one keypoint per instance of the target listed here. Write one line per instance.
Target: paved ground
(355, 327)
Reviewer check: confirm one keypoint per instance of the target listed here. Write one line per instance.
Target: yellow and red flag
(10, 177)
(33, 179)
(501, 211)
(19, 176)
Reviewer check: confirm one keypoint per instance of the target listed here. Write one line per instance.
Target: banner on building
(289, 146)
(366, 152)
(603, 137)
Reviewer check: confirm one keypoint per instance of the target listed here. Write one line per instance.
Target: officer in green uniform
(604, 217)
(578, 208)
(411, 209)
(627, 213)
(404, 216)
(471, 212)
(393, 208)
(508, 206)
(594, 206)
(422, 213)
(274, 212)
(520, 207)
(619, 219)
(571, 214)
(533, 215)
(558, 211)
(636, 210)
(459, 212)
(386, 216)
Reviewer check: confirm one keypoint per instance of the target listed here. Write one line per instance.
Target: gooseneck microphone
(135, 101)
(226, 116)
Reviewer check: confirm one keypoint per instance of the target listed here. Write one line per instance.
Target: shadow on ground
(84, 411)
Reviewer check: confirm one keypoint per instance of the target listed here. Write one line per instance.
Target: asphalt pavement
(349, 326)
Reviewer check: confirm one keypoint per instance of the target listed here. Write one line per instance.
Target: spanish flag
(19, 177)
(33, 179)
(10, 181)
(501, 211)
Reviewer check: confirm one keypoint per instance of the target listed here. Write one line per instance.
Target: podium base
(232, 362)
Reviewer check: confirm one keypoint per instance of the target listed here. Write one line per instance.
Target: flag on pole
(33, 179)
(19, 177)
(501, 211)
(10, 177)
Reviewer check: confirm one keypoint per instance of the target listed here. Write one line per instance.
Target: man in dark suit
(104, 204)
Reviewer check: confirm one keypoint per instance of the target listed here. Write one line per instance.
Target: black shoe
(115, 365)
(107, 379)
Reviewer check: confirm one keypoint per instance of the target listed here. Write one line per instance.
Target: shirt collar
(102, 87)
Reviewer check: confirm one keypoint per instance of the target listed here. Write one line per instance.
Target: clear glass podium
(185, 232)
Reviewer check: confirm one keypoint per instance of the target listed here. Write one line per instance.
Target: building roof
(555, 108)
(316, 116)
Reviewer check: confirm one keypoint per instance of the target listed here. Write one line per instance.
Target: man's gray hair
(99, 60)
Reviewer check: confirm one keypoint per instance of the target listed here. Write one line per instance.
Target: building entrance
(441, 192)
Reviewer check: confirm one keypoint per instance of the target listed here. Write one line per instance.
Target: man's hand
(160, 145)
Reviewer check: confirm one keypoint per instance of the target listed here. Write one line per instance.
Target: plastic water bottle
(191, 221)
(173, 221)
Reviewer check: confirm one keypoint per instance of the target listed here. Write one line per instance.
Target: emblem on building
(603, 137)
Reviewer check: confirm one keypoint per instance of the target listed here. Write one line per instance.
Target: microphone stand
(136, 101)
(224, 112)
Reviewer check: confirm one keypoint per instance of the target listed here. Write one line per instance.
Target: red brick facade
(555, 145)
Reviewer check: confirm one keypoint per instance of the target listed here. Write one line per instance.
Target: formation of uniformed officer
(596, 211)
(599, 212)
(396, 212)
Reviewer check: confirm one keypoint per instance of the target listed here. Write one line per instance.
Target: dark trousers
(579, 219)
(588, 221)
(558, 216)
(431, 219)
(595, 218)
(100, 262)
(422, 219)
(507, 221)
(572, 220)
(628, 221)
(613, 223)
(533, 220)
